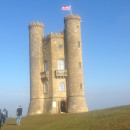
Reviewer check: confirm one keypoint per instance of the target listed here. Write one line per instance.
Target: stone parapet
(54, 35)
(72, 17)
(36, 25)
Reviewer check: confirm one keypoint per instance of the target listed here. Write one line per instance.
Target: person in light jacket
(4, 115)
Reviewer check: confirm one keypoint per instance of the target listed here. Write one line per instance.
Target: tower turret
(36, 63)
(75, 85)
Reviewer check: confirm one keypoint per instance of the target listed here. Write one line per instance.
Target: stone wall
(75, 85)
(36, 56)
(65, 46)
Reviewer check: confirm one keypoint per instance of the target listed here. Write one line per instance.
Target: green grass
(117, 118)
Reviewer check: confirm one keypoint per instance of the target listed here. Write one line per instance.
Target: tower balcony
(45, 75)
(61, 73)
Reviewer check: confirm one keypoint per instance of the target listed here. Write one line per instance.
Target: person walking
(4, 115)
(0, 118)
(19, 114)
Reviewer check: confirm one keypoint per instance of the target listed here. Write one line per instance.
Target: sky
(105, 34)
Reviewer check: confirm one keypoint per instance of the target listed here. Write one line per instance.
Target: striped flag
(66, 8)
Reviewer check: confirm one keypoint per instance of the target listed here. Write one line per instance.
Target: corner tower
(36, 63)
(73, 48)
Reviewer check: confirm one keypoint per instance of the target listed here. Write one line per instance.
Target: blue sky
(105, 43)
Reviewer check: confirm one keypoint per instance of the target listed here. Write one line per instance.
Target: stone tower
(75, 85)
(56, 72)
(36, 63)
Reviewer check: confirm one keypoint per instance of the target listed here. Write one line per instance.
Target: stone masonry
(56, 70)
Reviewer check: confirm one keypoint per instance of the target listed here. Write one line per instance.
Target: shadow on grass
(11, 124)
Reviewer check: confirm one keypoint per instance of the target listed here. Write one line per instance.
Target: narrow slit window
(45, 66)
(79, 64)
(79, 44)
(45, 88)
(81, 86)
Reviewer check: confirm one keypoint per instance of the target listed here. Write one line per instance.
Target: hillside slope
(117, 118)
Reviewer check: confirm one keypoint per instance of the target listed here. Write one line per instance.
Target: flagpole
(70, 10)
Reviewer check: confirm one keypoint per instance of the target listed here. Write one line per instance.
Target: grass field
(117, 118)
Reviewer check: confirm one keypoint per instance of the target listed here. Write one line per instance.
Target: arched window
(45, 66)
(61, 65)
(45, 88)
(62, 86)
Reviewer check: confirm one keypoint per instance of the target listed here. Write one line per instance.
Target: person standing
(4, 115)
(19, 114)
(0, 118)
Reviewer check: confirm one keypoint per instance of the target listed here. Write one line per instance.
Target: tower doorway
(63, 106)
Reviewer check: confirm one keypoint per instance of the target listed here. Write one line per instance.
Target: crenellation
(47, 37)
(72, 17)
(62, 32)
(53, 35)
(57, 35)
(36, 24)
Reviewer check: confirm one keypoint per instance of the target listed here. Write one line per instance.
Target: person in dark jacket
(4, 115)
(19, 114)
(0, 118)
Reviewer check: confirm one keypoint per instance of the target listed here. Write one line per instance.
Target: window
(79, 44)
(62, 86)
(61, 65)
(45, 88)
(79, 64)
(60, 46)
(54, 104)
(45, 66)
(80, 86)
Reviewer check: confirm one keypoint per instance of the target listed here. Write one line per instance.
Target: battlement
(54, 35)
(36, 25)
(72, 17)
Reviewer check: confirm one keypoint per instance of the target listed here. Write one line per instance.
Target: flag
(66, 8)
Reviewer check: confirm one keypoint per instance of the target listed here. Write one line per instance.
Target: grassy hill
(117, 118)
